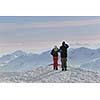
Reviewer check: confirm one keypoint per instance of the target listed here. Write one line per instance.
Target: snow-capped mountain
(92, 65)
(7, 58)
(21, 61)
(48, 75)
(82, 55)
(18, 53)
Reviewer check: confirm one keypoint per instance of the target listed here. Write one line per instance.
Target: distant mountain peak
(19, 52)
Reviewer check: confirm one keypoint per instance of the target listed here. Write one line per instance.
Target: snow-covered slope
(48, 75)
(5, 59)
(21, 61)
(82, 55)
(92, 65)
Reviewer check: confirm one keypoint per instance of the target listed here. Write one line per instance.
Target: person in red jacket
(54, 53)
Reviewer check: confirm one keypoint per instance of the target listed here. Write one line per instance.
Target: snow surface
(48, 75)
(92, 65)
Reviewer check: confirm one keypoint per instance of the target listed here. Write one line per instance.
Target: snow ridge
(48, 75)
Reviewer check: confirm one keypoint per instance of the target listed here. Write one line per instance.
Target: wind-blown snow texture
(48, 75)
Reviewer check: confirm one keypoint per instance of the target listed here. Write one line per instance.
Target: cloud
(16, 26)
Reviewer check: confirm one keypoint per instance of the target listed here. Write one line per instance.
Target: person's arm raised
(67, 46)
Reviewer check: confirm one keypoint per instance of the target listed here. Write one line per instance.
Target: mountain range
(77, 57)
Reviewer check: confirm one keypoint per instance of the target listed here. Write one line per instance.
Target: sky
(40, 33)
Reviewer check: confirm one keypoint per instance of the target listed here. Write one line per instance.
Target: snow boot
(56, 68)
(65, 69)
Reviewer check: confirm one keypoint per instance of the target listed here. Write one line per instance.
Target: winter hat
(63, 43)
(55, 48)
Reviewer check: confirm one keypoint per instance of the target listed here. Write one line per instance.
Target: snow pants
(55, 62)
(64, 63)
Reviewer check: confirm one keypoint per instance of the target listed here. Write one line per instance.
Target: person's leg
(55, 59)
(65, 64)
(62, 65)
(54, 63)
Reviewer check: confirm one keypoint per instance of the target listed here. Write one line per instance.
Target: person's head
(55, 48)
(63, 43)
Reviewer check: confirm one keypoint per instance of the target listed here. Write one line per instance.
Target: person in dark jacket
(54, 53)
(63, 53)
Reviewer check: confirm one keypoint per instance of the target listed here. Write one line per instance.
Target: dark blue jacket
(63, 50)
